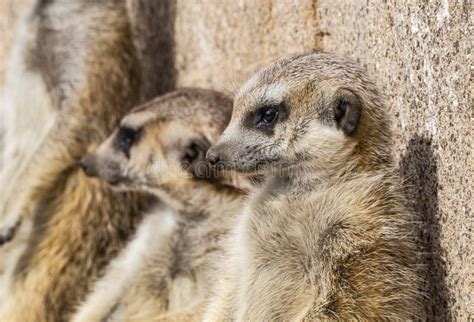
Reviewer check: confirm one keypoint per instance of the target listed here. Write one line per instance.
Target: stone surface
(219, 43)
(418, 52)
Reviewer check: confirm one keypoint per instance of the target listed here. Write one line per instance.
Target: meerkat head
(313, 109)
(162, 145)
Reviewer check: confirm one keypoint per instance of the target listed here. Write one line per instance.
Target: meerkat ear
(347, 109)
(194, 158)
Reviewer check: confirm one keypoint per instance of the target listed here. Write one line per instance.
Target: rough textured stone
(418, 52)
(218, 43)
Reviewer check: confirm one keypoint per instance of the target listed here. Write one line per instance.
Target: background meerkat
(160, 147)
(326, 237)
(24, 130)
(78, 60)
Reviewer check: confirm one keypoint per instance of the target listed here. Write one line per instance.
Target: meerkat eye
(265, 117)
(268, 115)
(126, 137)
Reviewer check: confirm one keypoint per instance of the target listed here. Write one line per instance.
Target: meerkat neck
(316, 173)
(200, 197)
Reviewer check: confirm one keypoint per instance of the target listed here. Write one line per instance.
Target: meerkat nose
(212, 157)
(87, 164)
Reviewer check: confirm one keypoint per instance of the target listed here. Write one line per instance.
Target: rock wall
(219, 43)
(419, 54)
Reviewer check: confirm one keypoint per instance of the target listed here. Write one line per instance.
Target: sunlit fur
(167, 270)
(326, 237)
(76, 65)
(26, 124)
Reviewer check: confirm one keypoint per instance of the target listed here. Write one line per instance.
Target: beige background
(418, 51)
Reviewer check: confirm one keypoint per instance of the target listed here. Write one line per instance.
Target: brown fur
(153, 34)
(84, 54)
(165, 272)
(326, 237)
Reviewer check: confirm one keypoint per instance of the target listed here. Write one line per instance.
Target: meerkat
(326, 237)
(165, 273)
(79, 65)
(23, 131)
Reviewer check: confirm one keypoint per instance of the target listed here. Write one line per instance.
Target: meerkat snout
(103, 165)
(212, 157)
(88, 164)
(218, 158)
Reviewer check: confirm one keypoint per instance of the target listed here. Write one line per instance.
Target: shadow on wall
(153, 34)
(418, 169)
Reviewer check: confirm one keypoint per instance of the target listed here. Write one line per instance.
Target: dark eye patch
(266, 116)
(126, 138)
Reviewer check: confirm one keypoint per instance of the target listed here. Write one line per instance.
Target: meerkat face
(158, 147)
(296, 110)
(147, 157)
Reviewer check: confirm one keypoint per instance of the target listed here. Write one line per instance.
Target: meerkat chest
(194, 248)
(184, 292)
(285, 229)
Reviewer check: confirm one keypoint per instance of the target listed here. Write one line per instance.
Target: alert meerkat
(165, 273)
(326, 237)
(78, 60)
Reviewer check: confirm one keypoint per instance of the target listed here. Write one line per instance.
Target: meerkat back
(83, 54)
